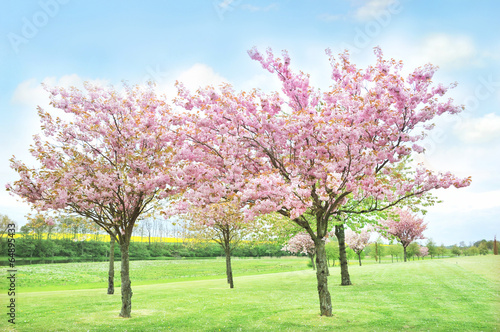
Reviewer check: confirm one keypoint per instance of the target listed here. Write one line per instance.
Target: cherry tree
(357, 241)
(301, 243)
(110, 163)
(424, 251)
(305, 154)
(406, 227)
(222, 223)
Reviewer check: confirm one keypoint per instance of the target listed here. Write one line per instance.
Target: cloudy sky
(65, 42)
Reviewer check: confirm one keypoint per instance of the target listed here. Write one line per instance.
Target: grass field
(457, 294)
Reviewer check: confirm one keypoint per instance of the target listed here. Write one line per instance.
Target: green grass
(459, 294)
(92, 275)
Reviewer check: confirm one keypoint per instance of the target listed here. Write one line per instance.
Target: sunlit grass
(90, 275)
(459, 294)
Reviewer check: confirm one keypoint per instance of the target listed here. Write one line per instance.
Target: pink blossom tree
(303, 244)
(304, 154)
(357, 241)
(406, 227)
(424, 251)
(224, 224)
(109, 164)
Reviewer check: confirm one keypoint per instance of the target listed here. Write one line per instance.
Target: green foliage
(488, 244)
(483, 248)
(332, 252)
(412, 250)
(455, 250)
(472, 251)
(376, 250)
(395, 250)
(432, 248)
(350, 254)
(25, 247)
(30, 247)
(441, 250)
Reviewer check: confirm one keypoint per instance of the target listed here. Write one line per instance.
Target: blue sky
(66, 42)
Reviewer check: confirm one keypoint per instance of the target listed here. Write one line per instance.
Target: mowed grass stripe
(430, 295)
(91, 275)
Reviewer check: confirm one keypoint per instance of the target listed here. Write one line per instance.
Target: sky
(67, 42)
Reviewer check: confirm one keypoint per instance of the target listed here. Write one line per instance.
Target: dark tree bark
(404, 250)
(227, 239)
(359, 258)
(229, 270)
(325, 301)
(344, 269)
(125, 280)
(111, 272)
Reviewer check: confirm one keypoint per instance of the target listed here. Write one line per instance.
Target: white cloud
(200, 75)
(447, 50)
(465, 200)
(259, 9)
(197, 76)
(479, 130)
(30, 93)
(373, 9)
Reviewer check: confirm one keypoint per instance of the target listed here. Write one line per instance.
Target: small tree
(395, 250)
(357, 241)
(413, 250)
(224, 224)
(472, 251)
(483, 248)
(424, 251)
(377, 250)
(455, 250)
(495, 246)
(441, 250)
(5, 221)
(431, 246)
(406, 227)
(301, 243)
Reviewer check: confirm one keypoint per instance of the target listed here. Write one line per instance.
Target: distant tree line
(32, 247)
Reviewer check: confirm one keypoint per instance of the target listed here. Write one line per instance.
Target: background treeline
(32, 247)
(75, 238)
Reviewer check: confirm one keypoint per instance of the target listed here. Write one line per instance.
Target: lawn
(91, 275)
(459, 294)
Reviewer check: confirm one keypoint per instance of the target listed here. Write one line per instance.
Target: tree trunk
(359, 258)
(311, 257)
(111, 273)
(344, 269)
(325, 301)
(404, 250)
(229, 270)
(125, 279)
